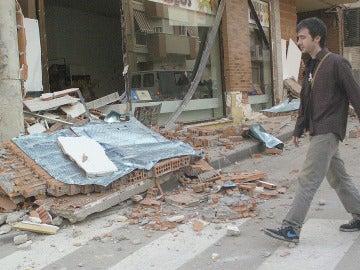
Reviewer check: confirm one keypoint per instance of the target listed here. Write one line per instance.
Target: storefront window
(260, 56)
(163, 62)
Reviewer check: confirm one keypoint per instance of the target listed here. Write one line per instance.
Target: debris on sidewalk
(35, 172)
(256, 131)
(267, 185)
(288, 107)
(199, 224)
(36, 227)
(273, 151)
(354, 133)
(232, 230)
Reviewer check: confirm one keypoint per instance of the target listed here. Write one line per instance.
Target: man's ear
(317, 39)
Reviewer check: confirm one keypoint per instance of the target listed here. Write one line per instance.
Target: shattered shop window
(260, 49)
(351, 27)
(148, 80)
(136, 81)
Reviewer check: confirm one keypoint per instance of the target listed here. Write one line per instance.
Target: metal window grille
(352, 27)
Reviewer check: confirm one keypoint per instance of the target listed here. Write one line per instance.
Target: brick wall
(236, 41)
(332, 39)
(236, 46)
(329, 18)
(288, 19)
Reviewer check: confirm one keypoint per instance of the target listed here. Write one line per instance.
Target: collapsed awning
(129, 145)
(142, 21)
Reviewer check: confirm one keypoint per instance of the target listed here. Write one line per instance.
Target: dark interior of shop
(89, 58)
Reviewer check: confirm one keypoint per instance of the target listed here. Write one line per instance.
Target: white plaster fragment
(88, 154)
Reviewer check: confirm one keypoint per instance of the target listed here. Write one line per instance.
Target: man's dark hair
(315, 26)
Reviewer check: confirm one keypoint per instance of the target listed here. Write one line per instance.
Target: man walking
(327, 89)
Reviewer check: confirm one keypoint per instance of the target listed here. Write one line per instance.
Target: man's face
(306, 43)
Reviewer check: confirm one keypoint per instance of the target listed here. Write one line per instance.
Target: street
(106, 241)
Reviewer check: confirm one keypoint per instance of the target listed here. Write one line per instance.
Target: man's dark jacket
(325, 99)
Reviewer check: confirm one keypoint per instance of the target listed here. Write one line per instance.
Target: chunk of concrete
(20, 239)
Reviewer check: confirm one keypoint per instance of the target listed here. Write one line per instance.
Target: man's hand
(295, 141)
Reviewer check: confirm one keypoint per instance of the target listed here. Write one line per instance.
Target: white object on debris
(56, 94)
(178, 218)
(36, 104)
(88, 155)
(20, 239)
(322, 202)
(232, 230)
(215, 256)
(74, 110)
(36, 128)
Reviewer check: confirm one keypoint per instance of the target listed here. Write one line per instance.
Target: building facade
(153, 47)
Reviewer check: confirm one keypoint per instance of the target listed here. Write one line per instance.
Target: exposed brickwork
(19, 177)
(288, 19)
(137, 175)
(44, 215)
(329, 18)
(332, 39)
(185, 161)
(162, 167)
(236, 43)
(176, 164)
(56, 188)
(236, 46)
(22, 178)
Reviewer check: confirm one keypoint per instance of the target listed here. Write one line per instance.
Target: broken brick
(162, 167)
(249, 187)
(44, 215)
(147, 202)
(267, 195)
(199, 188)
(6, 203)
(256, 156)
(152, 192)
(273, 151)
(281, 190)
(354, 133)
(199, 225)
(266, 185)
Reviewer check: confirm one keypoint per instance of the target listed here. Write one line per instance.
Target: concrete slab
(76, 208)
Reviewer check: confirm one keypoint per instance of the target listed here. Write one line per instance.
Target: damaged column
(11, 108)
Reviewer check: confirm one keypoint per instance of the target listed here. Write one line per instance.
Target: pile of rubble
(25, 185)
(216, 196)
(203, 196)
(53, 111)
